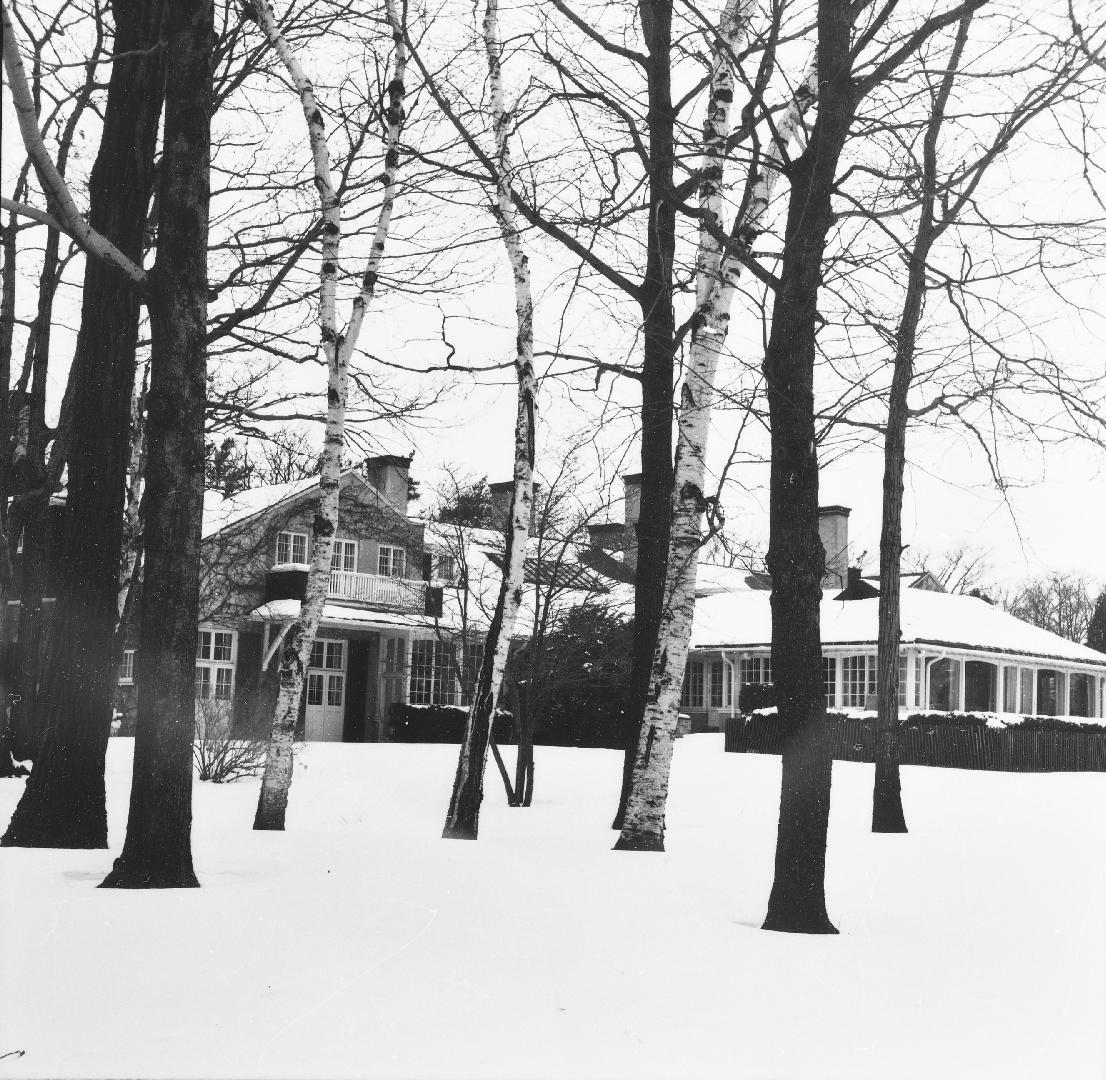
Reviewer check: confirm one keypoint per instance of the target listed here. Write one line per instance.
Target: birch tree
(463, 816)
(338, 347)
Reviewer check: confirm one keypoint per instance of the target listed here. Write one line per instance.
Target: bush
(221, 754)
(438, 723)
(756, 696)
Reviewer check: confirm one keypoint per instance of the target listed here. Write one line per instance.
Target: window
(1082, 695)
(902, 680)
(214, 664)
(944, 685)
(1050, 692)
(314, 688)
(1025, 677)
(858, 677)
(446, 568)
(829, 680)
(291, 548)
(980, 682)
(692, 697)
(335, 685)
(474, 657)
(1010, 689)
(126, 668)
(919, 681)
(720, 689)
(756, 669)
(432, 675)
(328, 654)
(391, 561)
(343, 555)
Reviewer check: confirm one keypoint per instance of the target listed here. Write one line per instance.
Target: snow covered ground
(360, 944)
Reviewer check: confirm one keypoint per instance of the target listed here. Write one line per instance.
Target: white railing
(403, 593)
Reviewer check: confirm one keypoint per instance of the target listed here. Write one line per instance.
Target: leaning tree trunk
(659, 345)
(63, 803)
(643, 819)
(158, 849)
(887, 811)
(463, 817)
(796, 559)
(273, 801)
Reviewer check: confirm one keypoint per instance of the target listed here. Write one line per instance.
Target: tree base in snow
(135, 877)
(632, 840)
(459, 832)
(799, 923)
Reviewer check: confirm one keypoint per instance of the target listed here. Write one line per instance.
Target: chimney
(631, 483)
(389, 474)
(833, 530)
(501, 504)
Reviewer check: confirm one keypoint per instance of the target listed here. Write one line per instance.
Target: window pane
(854, 678)
(829, 680)
(1082, 695)
(1047, 692)
(334, 654)
(694, 679)
(127, 669)
(203, 682)
(284, 548)
(224, 679)
(316, 654)
(919, 681)
(422, 673)
(334, 687)
(1025, 677)
(203, 645)
(902, 680)
(1010, 689)
(314, 688)
(223, 644)
(716, 685)
(299, 547)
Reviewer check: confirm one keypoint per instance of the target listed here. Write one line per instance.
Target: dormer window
(291, 548)
(391, 561)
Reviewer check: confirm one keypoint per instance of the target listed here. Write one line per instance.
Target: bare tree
(1062, 603)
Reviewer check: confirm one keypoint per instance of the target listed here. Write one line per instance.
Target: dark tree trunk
(887, 811)
(63, 804)
(524, 759)
(158, 849)
(796, 559)
(659, 332)
(7, 326)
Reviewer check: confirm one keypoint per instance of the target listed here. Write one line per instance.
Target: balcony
(403, 593)
(287, 582)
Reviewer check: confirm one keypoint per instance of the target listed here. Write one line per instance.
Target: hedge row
(438, 723)
(945, 740)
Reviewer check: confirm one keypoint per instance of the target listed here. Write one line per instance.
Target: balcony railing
(402, 593)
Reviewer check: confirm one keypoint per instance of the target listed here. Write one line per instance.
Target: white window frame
(291, 560)
(829, 686)
(126, 668)
(207, 644)
(858, 680)
(439, 573)
(437, 683)
(720, 681)
(396, 561)
(343, 556)
(694, 685)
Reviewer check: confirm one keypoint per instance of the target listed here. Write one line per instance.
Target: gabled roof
(221, 513)
(743, 619)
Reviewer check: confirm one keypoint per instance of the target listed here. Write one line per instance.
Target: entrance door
(326, 692)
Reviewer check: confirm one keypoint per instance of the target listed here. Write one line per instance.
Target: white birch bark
(69, 217)
(462, 821)
(338, 349)
(132, 526)
(717, 276)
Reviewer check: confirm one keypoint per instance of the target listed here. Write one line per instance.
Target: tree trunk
(887, 811)
(463, 817)
(63, 803)
(158, 849)
(659, 333)
(643, 818)
(796, 558)
(272, 802)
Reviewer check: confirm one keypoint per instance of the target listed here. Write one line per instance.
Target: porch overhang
(351, 618)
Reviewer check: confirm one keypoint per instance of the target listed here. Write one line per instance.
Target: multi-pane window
(446, 568)
(692, 697)
(391, 561)
(756, 669)
(1025, 678)
(919, 681)
(214, 664)
(858, 680)
(1050, 692)
(474, 657)
(829, 680)
(126, 668)
(291, 548)
(328, 654)
(720, 689)
(1010, 689)
(902, 680)
(343, 555)
(432, 674)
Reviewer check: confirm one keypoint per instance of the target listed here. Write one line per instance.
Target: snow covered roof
(743, 619)
(341, 615)
(221, 513)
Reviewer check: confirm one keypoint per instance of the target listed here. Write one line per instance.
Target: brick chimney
(833, 530)
(631, 483)
(389, 474)
(501, 504)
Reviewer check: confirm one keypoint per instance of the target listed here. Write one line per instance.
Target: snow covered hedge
(438, 723)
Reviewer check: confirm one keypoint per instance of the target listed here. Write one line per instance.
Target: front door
(393, 675)
(326, 691)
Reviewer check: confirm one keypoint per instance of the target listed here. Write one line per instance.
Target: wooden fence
(942, 743)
